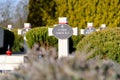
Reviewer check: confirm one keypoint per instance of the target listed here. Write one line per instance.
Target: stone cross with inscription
(89, 29)
(63, 31)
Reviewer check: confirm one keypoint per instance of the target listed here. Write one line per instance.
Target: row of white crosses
(63, 31)
(91, 29)
(27, 26)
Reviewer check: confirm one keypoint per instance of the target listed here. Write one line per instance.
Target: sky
(4, 1)
(10, 5)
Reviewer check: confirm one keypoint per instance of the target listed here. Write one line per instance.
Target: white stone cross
(9, 27)
(62, 31)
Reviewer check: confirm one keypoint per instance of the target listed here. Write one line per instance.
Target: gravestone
(62, 31)
(27, 27)
(1, 37)
(19, 31)
(9, 27)
(103, 26)
(89, 29)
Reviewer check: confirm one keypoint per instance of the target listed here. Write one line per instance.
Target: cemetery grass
(43, 65)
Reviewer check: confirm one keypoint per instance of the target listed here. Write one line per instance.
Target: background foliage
(40, 36)
(18, 42)
(78, 12)
(73, 41)
(41, 13)
(105, 42)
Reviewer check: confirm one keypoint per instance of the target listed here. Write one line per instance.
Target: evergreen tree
(41, 13)
(78, 12)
